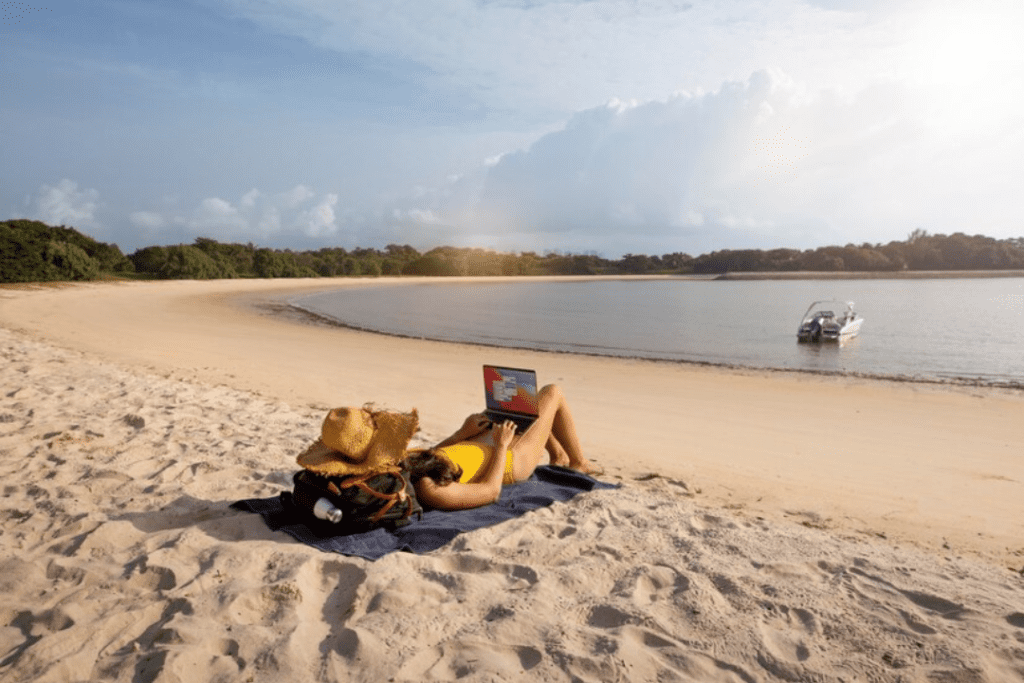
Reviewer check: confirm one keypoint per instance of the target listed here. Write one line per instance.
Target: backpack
(366, 502)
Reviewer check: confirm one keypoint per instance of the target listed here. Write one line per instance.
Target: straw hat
(359, 441)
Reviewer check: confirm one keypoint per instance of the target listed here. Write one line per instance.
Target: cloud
(421, 216)
(249, 198)
(318, 221)
(562, 56)
(661, 166)
(295, 196)
(65, 204)
(216, 215)
(762, 162)
(278, 217)
(149, 221)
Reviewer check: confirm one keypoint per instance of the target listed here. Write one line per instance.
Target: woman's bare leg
(554, 420)
(557, 453)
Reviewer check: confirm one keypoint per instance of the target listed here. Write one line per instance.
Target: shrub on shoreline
(31, 251)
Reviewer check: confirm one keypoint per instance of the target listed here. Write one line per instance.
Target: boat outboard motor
(816, 329)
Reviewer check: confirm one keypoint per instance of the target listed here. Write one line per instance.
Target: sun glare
(968, 58)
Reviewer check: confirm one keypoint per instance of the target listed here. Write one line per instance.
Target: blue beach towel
(437, 528)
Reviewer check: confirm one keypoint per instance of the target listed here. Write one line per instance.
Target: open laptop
(511, 394)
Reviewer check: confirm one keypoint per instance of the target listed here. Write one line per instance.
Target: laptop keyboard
(522, 423)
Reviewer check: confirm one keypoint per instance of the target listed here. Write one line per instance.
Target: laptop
(511, 394)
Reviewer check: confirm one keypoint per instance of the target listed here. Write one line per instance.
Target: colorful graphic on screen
(510, 389)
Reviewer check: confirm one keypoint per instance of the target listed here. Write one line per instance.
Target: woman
(468, 469)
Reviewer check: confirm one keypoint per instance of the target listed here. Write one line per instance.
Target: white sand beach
(738, 548)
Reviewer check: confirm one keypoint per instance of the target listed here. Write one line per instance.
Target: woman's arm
(485, 487)
(474, 424)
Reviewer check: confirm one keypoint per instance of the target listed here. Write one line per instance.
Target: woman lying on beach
(468, 469)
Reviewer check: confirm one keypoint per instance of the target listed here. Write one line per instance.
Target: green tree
(821, 260)
(186, 262)
(430, 264)
(351, 267)
(22, 253)
(636, 263)
(70, 261)
(677, 261)
(371, 268)
(149, 260)
(31, 251)
(226, 257)
(268, 263)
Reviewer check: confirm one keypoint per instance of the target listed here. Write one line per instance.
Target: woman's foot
(561, 462)
(587, 467)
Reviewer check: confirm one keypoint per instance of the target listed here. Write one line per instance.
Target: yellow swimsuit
(471, 456)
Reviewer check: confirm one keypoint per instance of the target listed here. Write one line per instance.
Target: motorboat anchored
(822, 323)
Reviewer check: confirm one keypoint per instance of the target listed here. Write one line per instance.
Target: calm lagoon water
(963, 329)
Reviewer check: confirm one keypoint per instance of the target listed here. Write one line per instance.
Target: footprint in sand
(606, 616)
(149, 578)
(947, 609)
(218, 660)
(59, 573)
(785, 648)
(915, 624)
(475, 659)
(654, 584)
(34, 627)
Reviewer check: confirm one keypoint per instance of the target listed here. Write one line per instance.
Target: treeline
(207, 258)
(920, 251)
(31, 251)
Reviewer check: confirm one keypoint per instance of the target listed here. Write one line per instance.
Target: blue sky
(605, 126)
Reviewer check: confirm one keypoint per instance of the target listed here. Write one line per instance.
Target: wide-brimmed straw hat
(360, 441)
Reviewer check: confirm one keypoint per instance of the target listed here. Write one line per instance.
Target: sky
(583, 126)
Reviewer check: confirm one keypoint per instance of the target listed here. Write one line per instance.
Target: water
(949, 329)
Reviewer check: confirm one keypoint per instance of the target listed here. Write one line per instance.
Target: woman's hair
(428, 463)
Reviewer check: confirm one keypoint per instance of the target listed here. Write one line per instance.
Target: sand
(770, 526)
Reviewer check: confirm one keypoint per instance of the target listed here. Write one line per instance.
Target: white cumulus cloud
(147, 220)
(217, 215)
(256, 215)
(657, 165)
(295, 196)
(318, 221)
(763, 162)
(249, 198)
(424, 216)
(65, 204)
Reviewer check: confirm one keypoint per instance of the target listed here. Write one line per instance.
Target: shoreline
(871, 275)
(287, 309)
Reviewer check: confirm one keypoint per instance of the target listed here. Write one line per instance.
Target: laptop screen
(511, 390)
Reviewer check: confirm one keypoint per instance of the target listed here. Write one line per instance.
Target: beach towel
(547, 485)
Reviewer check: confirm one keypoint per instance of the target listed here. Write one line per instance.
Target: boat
(822, 323)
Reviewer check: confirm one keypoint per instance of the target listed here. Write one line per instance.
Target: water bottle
(324, 509)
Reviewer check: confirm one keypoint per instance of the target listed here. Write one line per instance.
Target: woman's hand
(503, 434)
(474, 424)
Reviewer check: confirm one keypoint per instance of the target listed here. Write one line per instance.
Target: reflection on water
(968, 328)
(826, 357)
